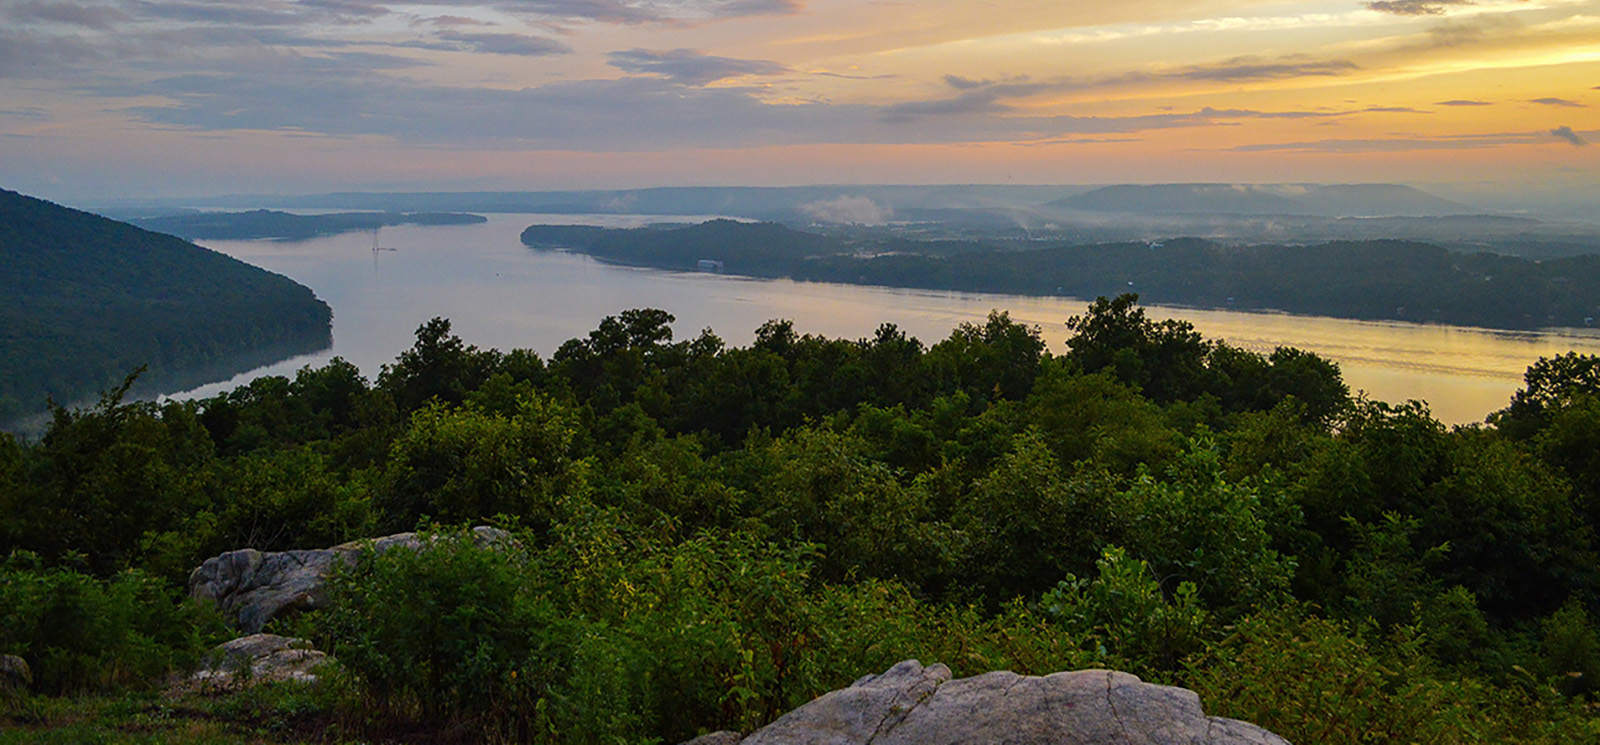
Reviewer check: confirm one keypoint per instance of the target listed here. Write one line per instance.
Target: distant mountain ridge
(1338, 200)
(84, 300)
(704, 201)
(275, 225)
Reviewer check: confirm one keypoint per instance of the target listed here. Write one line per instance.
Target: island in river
(1368, 280)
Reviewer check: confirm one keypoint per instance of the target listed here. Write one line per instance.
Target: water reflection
(498, 293)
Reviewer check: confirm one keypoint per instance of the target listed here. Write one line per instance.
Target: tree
(438, 366)
(463, 465)
(1166, 360)
(1551, 384)
(998, 360)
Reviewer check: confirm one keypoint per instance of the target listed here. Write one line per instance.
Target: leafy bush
(1197, 527)
(80, 633)
(443, 631)
(1125, 610)
(460, 465)
(1313, 680)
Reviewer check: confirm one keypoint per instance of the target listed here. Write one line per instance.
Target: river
(498, 293)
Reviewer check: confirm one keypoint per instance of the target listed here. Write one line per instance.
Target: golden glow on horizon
(838, 91)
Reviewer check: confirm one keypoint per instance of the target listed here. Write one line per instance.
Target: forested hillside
(275, 225)
(1373, 280)
(707, 536)
(84, 300)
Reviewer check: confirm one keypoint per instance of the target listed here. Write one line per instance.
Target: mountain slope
(84, 300)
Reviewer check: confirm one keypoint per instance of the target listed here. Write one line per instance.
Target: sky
(112, 99)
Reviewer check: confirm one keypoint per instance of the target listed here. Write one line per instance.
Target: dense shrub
(1313, 680)
(79, 633)
(439, 632)
(1125, 610)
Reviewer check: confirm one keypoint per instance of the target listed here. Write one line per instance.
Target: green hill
(1371, 279)
(274, 225)
(84, 300)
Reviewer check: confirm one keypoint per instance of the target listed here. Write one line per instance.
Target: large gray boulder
(912, 704)
(14, 673)
(259, 658)
(253, 587)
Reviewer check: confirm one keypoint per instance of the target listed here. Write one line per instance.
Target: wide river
(498, 293)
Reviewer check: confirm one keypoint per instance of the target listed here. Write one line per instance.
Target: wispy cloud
(235, 13)
(44, 34)
(1210, 113)
(976, 96)
(690, 66)
(647, 11)
(1249, 68)
(319, 95)
(1566, 133)
(487, 43)
(1463, 102)
(98, 17)
(1415, 7)
(26, 112)
(978, 101)
(1552, 101)
(1405, 144)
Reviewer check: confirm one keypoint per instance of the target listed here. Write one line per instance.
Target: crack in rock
(885, 726)
(1112, 705)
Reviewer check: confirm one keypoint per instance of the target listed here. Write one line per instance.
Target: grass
(265, 715)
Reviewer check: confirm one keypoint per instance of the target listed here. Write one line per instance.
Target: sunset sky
(136, 98)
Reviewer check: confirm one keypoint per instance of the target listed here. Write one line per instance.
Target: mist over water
(498, 293)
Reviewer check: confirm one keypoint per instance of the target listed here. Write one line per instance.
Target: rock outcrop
(912, 704)
(253, 587)
(259, 658)
(15, 674)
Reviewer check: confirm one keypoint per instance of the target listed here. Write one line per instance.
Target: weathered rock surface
(912, 704)
(260, 658)
(254, 586)
(717, 738)
(15, 675)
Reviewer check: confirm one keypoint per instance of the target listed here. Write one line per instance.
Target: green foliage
(1313, 680)
(607, 635)
(1125, 610)
(1166, 359)
(440, 631)
(458, 465)
(1570, 442)
(1387, 577)
(1570, 646)
(1027, 525)
(102, 478)
(705, 537)
(815, 487)
(1551, 384)
(1094, 418)
(998, 359)
(439, 366)
(80, 633)
(1196, 527)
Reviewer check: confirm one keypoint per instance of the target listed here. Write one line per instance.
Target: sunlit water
(498, 293)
